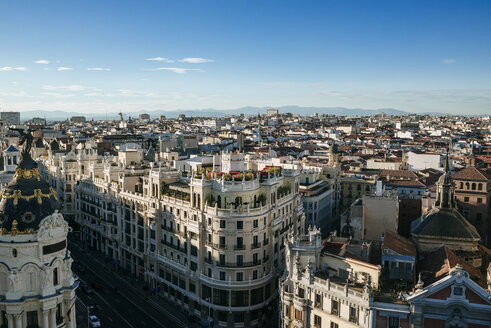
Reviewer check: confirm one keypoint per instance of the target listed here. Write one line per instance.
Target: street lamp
(87, 309)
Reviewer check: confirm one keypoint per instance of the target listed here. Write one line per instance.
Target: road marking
(135, 304)
(109, 305)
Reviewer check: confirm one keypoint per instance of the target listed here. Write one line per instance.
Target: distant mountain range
(210, 112)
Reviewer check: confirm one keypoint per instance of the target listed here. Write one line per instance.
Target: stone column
(10, 319)
(52, 314)
(45, 318)
(18, 320)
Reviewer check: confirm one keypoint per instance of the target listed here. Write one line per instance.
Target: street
(129, 306)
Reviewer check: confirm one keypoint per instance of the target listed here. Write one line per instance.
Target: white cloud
(98, 69)
(42, 61)
(57, 95)
(449, 61)
(178, 70)
(62, 68)
(196, 60)
(160, 59)
(65, 87)
(10, 69)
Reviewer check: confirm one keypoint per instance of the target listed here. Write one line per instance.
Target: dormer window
(458, 291)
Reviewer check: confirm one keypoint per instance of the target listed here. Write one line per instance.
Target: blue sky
(93, 56)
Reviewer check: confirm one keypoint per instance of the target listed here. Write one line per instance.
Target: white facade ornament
(45, 276)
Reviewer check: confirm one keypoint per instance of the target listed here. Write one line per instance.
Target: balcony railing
(239, 247)
(238, 265)
(256, 245)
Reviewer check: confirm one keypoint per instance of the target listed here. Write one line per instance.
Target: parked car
(87, 290)
(94, 321)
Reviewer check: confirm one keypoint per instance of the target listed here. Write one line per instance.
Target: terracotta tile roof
(398, 174)
(436, 264)
(398, 244)
(405, 183)
(472, 173)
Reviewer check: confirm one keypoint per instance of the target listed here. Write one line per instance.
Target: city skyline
(112, 56)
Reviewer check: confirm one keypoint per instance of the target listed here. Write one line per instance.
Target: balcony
(239, 247)
(256, 245)
(238, 265)
(220, 246)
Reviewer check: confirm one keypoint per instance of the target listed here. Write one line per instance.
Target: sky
(112, 56)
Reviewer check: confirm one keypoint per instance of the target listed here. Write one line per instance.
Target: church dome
(26, 200)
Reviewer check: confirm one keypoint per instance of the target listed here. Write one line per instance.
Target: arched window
(479, 186)
(219, 201)
(473, 186)
(467, 185)
(461, 185)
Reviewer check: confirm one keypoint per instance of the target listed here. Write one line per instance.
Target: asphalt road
(127, 308)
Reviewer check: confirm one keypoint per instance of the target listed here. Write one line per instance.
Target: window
(254, 274)
(59, 315)
(353, 314)
(255, 224)
(32, 318)
(240, 260)
(334, 325)
(298, 314)
(335, 307)
(479, 186)
(317, 321)
(55, 276)
(239, 276)
(255, 258)
(479, 200)
(393, 322)
(301, 293)
(458, 291)
(221, 258)
(223, 275)
(222, 241)
(222, 224)
(318, 300)
(466, 199)
(194, 266)
(240, 243)
(240, 225)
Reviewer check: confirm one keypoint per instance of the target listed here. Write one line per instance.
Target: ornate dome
(26, 200)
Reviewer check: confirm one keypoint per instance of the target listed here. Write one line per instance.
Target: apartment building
(473, 191)
(212, 240)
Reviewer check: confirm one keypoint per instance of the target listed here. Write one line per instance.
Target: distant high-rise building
(272, 112)
(10, 118)
(78, 119)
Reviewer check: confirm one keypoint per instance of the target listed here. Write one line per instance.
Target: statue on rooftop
(26, 140)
